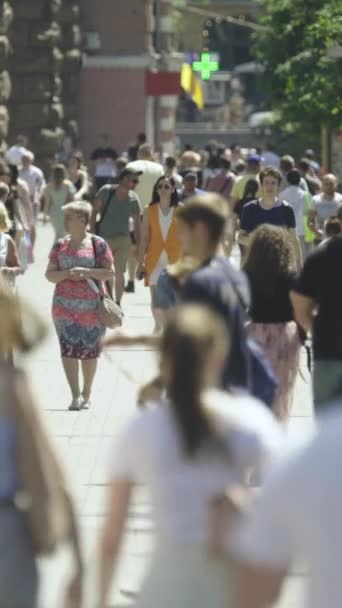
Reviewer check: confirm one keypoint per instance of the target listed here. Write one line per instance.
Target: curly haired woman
(269, 265)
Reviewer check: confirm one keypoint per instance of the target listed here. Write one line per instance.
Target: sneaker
(76, 404)
(130, 288)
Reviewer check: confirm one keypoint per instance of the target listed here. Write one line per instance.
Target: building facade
(121, 45)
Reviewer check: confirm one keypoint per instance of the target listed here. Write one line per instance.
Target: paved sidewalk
(85, 439)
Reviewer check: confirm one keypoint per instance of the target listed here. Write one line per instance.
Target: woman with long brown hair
(270, 266)
(36, 512)
(160, 245)
(187, 448)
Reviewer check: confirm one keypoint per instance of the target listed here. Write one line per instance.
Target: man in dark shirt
(317, 301)
(269, 209)
(216, 283)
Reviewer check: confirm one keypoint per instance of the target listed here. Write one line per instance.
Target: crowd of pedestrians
(228, 335)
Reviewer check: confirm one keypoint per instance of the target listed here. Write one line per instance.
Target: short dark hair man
(269, 209)
(116, 204)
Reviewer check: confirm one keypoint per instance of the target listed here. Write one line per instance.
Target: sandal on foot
(75, 405)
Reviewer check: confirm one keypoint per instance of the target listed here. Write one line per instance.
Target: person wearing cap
(113, 206)
(190, 186)
(252, 172)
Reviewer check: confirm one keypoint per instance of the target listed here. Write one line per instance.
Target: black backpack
(261, 380)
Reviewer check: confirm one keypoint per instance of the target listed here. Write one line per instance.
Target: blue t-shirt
(225, 290)
(253, 215)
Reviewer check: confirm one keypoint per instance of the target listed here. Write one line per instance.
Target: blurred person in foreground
(9, 263)
(296, 517)
(36, 511)
(197, 443)
(208, 278)
(317, 302)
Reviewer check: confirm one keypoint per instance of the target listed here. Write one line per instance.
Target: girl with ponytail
(188, 448)
(36, 511)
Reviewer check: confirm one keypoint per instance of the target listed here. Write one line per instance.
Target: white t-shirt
(326, 207)
(151, 173)
(14, 155)
(150, 451)
(298, 515)
(35, 181)
(297, 198)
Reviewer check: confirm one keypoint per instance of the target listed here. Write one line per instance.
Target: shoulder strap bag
(110, 314)
(105, 209)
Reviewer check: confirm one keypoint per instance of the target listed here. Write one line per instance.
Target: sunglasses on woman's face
(164, 187)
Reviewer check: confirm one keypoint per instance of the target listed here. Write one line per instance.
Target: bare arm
(145, 238)
(243, 237)
(111, 536)
(137, 229)
(84, 186)
(12, 263)
(304, 309)
(122, 337)
(47, 201)
(296, 246)
(97, 208)
(258, 587)
(26, 203)
(312, 223)
(56, 276)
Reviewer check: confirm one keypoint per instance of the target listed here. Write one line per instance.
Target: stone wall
(6, 18)
(44, 65)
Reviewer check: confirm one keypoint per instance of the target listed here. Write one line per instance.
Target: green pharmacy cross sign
(206, 66)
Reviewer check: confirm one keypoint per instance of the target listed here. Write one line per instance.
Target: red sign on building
(162, 83)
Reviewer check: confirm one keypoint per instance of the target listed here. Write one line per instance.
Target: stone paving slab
(85, 439)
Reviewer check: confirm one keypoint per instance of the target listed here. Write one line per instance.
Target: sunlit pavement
(85, 439)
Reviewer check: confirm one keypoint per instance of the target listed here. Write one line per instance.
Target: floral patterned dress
(74, 308)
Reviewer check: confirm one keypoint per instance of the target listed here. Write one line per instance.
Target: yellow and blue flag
(192, 85)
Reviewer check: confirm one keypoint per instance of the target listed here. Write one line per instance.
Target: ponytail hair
(191, 337)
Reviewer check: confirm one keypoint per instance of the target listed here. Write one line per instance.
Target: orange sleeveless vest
(157, 243)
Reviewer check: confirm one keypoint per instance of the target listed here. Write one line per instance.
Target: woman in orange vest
(159, 244)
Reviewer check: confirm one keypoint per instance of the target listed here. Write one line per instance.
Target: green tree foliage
(304, 85)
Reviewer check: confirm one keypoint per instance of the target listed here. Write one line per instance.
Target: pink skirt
(280, 342)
